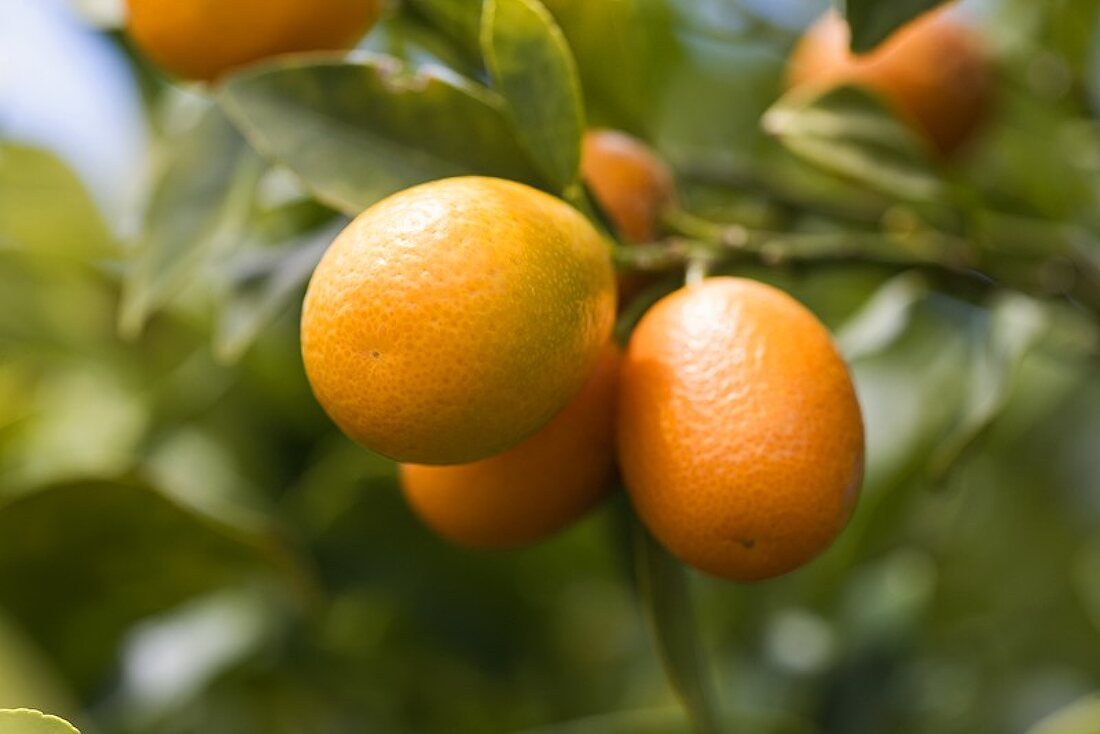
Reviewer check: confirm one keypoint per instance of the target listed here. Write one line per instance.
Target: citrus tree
(565, 366)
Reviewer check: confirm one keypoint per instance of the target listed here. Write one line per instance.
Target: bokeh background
(187, 545)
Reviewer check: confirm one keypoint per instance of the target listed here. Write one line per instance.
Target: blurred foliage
(187, 544)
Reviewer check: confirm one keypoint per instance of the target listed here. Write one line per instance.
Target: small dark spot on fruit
(376, 355)
(747, 542)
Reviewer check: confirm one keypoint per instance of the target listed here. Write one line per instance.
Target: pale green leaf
(29, 721)
(45, 209)
(27, 679)
(850, 133)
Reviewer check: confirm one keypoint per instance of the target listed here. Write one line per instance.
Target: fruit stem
(866, 209)
(774, 248)
(1025, 255)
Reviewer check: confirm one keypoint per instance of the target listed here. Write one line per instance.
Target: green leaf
(80, 562)
(26, 677)
(533, 69)
(29, 721)
(626, 52)
(872, 21)
(264, 283)
(415, 41)
(884, 318)
(1080, 717)
(1015, 326)
(87, 420)
(45, 209)
(201, 199)
(43, 307)
(850, 133)
(460, 20)
(666, 597)
(358, 131)
(910, 388)
(674, 721)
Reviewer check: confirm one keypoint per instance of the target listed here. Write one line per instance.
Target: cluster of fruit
(463, 327)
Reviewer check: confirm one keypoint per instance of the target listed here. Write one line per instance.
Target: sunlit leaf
(85, 421)
(850, 133)
(533, 69)
(28, 721)
(360, 130)
(45, 210)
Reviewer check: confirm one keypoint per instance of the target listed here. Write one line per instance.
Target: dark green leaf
(460, 20)
(45, 209)
(28, 721)
(80, 562)
(1086, 581)
(358, 131)
(666, 597)
(202, 197)
(872, 21)
(849, 132)
(533, 69)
